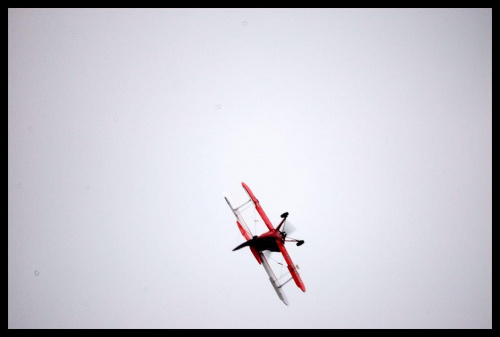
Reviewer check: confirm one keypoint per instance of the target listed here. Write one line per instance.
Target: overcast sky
(371, 127)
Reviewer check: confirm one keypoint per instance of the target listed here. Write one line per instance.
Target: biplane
(273, 240)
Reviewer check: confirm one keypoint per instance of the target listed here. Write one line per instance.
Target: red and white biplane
(273, 240)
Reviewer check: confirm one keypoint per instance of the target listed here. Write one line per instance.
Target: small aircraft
(272, 240)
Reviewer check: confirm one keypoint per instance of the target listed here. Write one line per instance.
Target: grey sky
(372, 127)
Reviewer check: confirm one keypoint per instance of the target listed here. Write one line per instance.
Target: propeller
(288, 227)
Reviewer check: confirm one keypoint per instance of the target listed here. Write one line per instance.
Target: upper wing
(291, 267)
(245, 231)
(274, 281)
(258, 207)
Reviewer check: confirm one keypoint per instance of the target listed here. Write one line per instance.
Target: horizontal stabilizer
(244, 244)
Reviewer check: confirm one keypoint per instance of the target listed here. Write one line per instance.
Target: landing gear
(284, 215)
(300, 242)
